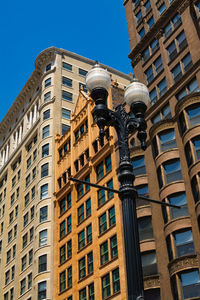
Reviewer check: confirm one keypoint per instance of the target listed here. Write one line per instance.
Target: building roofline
(34, 78)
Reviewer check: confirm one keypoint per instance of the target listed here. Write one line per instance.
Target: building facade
(27, 142)
(89, 252)
(164, 40)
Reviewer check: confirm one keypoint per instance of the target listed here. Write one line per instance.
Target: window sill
(108, 262)
(100, 235)
(112, 296)
(85, 277)
(107, 201)
(83, 221)
(68, 233)
(64, 262)
(90, 243)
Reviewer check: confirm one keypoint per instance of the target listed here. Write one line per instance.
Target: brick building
(164, 40)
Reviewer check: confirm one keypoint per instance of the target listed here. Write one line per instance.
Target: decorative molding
(183, 263)
(188, 100)
(151, 282)
(160, 126)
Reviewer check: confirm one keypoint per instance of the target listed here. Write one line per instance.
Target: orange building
(88, 251)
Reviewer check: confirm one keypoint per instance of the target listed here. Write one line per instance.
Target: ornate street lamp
(136, 95)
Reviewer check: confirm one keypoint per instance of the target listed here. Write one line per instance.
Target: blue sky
(95, 29)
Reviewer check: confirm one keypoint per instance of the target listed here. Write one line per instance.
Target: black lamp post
(137, 96)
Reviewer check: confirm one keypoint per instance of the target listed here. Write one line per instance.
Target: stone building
(164, 39)
(27, 142)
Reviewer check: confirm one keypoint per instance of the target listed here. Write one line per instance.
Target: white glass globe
(98, 77)
(136, 91)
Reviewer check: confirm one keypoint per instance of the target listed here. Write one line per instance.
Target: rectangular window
(43, 238)
(106, 291)
(62, 281)
(67, 81)
(62, 229)
(89, 233)
(82, 268)
(67, 96)
(111, 214)
(69, 224)
(90, 263)
(44, 170)
(102, 223)
(22, 286)
(43, 213)
(104, 256)
(65, 128)
(113, 247)
(67, 66)
(42, 290)
(44, 191)
(47, 96)
(69, 276)
(101, 197)
(23, 262)
(47, 82)
(91, 291)
(80, 213)
(30, 280)
(81, 239)
(69, 249)
(46, 114)
(62, 254)
(66, 113)
(45, 150)
(82, 72)
(45, 131)
(42, 263)
(116, 282)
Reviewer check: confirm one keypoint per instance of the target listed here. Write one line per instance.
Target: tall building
(165, 41)
(89, 253)
(27, 142)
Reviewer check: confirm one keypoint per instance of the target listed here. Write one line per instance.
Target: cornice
(186, 101)
(162, 125)
(157, 27)
(151, 282)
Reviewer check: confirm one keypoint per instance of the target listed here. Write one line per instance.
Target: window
(149, 263)
(173, 24)
(47, 82)
(139, 17)
(69, 249)
(138, 164)
(44, 191)
(171, 171)
(158, 91)
(153, 46)
(164, 141)
(104, 167)
(165, 113)
(102, 223)
(104, 255)
(141, 33)
(6, 296)
(30, 277)
(162, 8)
(8, 256)
(42, 263)
(24, 240)
(189, 282)
(44, 170)
(180, 243)
(192, 150)
(62, 281)
(66, 113)
(48, 67)
(28, 180)
(62, 254)
(62, 229)
(82, 294)
(47, 96)
(67, 96)
(150, 22)
(45, 131)
(82, 72)
(7, 277)
(189, 88)
(145, 228)
(178, 199)
(12, 294)
(65, 128)
(45, 150)
(43, 213)
(181, 67)
(30, 256)
(82, 268)
(147, 6)
(69, 224)
(106, 291)
(46, 114)
(116, 281)
(66, 66)
(43, 238)
(22, 286)
(195, 183)
(34, 155)
(25, 219)
(81, 239)
(42, 288)
(111, 216)
(28, 163)
(12, 272)
(31, 233)
(33, 173)
(67, 81)
(81, 213)
(83, 188)
(113, 247)
(69, 276)
(23, 262)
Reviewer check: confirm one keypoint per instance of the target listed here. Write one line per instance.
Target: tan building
(89, 253)
(27, 137)
(164, 40)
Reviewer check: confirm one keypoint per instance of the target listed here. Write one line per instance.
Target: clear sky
(95, 29)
